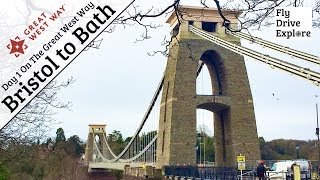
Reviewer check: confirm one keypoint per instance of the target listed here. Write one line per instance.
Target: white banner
(40, 38)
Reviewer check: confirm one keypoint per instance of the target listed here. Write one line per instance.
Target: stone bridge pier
(231, 101)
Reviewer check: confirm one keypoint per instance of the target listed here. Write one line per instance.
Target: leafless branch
(33, 121)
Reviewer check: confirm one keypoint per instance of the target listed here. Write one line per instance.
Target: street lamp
(200, 153)
(317, 134)
(199, 137)
(297, 149)
(196, 147)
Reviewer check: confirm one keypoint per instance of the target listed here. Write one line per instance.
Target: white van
(282, 169)
(279, 170)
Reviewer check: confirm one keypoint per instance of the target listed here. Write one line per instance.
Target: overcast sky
(114, 85)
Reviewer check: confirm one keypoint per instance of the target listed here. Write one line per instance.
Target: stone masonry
(231, 103)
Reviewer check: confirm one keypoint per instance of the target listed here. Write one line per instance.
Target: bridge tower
(95, 130)
(235, 129)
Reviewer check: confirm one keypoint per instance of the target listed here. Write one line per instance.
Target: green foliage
(265, 151)
(116, 137)
(73, 146)
(128, 139)
(19, 159)
(281, 149)
(4, 172)
(76, 145)
(49, 140)
(33, 161)
(209, 148)
(38, 172)
(60, 135)
(205, 147)
(116, 142)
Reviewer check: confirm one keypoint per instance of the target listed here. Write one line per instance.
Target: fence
(216, 173)
(223, 173)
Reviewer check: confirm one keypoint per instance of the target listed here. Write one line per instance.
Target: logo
(289, 24)
(17, 46)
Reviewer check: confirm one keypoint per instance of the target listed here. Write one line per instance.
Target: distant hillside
(282, 149)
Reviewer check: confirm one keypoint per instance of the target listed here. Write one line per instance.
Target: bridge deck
(115, 166)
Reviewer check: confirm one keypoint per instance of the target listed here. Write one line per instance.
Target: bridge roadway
(115, 166)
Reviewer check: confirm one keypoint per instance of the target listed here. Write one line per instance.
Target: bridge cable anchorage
(282, 65)
(277, 47)
(131, 142)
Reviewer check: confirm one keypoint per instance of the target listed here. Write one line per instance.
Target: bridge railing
(221, 173)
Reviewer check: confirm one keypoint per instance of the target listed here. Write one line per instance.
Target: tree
(264, 149)
(116, 142)
(4, 172)
(209, 148)
(60, 135)
(116, 136)
(206, 142)
(49, 140)
(282, 149)
(76, 145)
(34, 120)
(127, 140)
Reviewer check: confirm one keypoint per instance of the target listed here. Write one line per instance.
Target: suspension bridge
(170, 137)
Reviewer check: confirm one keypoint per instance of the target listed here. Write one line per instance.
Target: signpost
(296, 172)
(241, 164)
(241, 158)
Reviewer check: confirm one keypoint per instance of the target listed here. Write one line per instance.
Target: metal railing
(216, 173)
(224, 173)
(248, 175)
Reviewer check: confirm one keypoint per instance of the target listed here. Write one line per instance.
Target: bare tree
(32, 122)
(259, 13)
(253, 15)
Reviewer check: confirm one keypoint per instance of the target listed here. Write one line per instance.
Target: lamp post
(204, 150)
(199, 139)
(196, 147)
(200, 152)
(297, 149)
(317, 134)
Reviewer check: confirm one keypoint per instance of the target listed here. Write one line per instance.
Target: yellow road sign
(241, 165)
(241, 159)
(296, 172)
